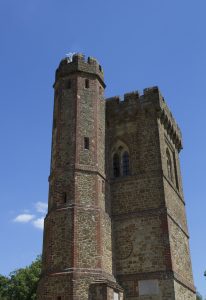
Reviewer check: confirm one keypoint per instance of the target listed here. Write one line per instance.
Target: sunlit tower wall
(151, 257)
(77, 251)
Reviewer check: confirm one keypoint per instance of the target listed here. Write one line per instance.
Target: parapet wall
(78, 63)
(151, 99)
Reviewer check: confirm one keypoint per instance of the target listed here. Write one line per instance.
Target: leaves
(22, 283)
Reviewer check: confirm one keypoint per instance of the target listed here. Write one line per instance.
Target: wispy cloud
(41, 207)
(37, 219)
(24, 218)
(39, 223)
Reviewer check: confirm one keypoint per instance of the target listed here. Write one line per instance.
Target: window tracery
(120, 160)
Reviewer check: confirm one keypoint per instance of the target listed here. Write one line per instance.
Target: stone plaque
(148, 287)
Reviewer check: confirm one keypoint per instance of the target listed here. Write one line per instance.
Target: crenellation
(151, 99)
(171, 127)
(78, 63)
(132, 96)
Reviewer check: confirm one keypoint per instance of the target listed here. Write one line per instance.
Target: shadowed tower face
(116, 219)
(150, 238)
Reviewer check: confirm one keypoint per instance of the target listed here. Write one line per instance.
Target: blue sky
(139, 44)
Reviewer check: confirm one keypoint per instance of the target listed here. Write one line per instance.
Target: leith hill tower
(116, 226)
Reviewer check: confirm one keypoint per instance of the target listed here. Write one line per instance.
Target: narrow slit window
(68, 84)
(65, 197)
(86, 83)
(125, 164)
(169, 166)
(103, 186)
(86, 143)
(175, 169)
(116, 165)
(54, 123)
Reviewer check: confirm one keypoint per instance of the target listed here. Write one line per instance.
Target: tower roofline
(151, 97)
(79, 64)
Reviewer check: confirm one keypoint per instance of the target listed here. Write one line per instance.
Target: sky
(139, 43)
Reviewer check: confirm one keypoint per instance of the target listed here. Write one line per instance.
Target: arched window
(116, 165)
(169, 166)
(125, 163)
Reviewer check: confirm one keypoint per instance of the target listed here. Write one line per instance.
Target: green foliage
(22, 283)
(4, 282)
(198, 296)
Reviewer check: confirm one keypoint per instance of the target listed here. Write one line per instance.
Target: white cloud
(37, 220)
(24, 218)
(39, 223)
(41, 207)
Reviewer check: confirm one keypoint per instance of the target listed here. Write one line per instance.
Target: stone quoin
(116, 225)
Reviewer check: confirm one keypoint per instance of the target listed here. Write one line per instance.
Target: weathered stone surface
(114, 228)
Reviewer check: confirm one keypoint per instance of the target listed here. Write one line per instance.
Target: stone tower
(151, 254)
(116, 219)
(77, 250)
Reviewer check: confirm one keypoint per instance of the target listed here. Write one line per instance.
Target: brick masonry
(114, 230)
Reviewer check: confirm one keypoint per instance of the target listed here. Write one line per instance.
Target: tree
(198, 296)
(22, 283)
(4, 282)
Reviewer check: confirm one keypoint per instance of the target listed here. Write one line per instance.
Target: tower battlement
(79, 63)
(151, 99)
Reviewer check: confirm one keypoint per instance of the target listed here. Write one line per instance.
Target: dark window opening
(68, 84)
(86, 143)
(116, 165)
(59, 298)
(54, 123)
(103, 186)
(125, 163)
(176, 175)
(169, 166)
(86, 83)
(65, 197)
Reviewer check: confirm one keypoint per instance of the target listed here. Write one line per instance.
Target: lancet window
(121, 160)
(125, 163)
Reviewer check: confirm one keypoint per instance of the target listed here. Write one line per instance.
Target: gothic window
(116, 165)
(169, 166)
(125, 163)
